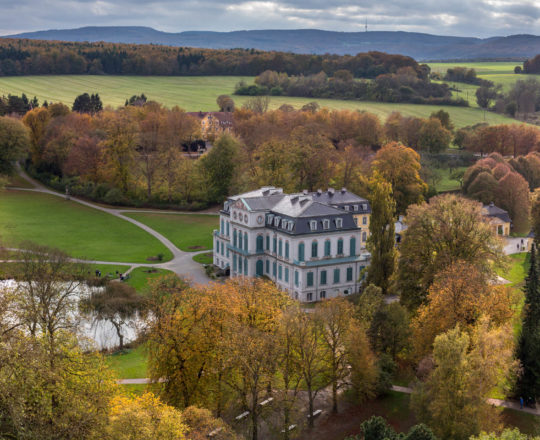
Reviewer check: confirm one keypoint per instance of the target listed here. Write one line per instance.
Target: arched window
(364, 236)
(340, 246)
(327, 248)
(234, 238)
(301, 252)
(260, 243)
(221, 228)
(287, 250)
(352, 246)
(245, 241)
(280, 247)
(314, 249)
(260, 268)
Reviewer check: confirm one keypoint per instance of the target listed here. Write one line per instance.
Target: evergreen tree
(381, 243)
(528, 351)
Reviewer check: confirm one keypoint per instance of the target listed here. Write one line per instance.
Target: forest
(35, 57)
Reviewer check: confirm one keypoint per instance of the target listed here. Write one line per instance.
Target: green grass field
(130, 364)
(190, 232)
(140, 277)
(498, 72)
(517, 271)
(200, 93)
(206, 258)
(446, 183)
(76, 229)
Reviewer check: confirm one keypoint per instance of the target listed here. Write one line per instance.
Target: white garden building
(311, 244)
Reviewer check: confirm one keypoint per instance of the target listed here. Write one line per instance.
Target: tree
(363, 363)
(389, 331)
(86, 103)
(535, 218)
(36, 120)
(381, 242)
(225, 103)
(453, 399)
(400, 166)
(219, 165)
(433, 136)
(14, 143)
(447, 229)
(257, 104)
(460, 294)
(507, 434)
(485, 96)
(116, 303)
(513, 195)
(144, 417)
(528, 350)
(335, 319)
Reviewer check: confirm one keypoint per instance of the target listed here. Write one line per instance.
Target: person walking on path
(521, 402)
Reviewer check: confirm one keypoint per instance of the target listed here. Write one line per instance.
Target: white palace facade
(311, 244)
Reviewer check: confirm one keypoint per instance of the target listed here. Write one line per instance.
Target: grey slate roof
(263, 203)
(341, 198)
(494, 211)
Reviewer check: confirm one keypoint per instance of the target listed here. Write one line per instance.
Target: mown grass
(78, 230)
(140, 277)
(200, 93)
(446, 183)
(189, 232)
(517, 270)
(206, 258)
(129, 364)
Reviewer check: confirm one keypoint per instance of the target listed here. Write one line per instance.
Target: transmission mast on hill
(366, 24)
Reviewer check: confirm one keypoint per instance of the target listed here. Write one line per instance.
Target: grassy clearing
(17, 181)
(189, 232)
(517, 271)
(140, 277)
(200, 93)
(130, 364)
(76, 229)
(206, 258)
(446, 183)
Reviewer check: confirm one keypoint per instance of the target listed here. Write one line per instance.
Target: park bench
(290, 428)
(267, 401)
(214, 432)
(316, 413)
(242, 416)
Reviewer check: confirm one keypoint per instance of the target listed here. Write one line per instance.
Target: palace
(311, 244)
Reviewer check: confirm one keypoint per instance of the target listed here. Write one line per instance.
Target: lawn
(518, 268)
(446, 183)
(206, 258)
(76, 229)
(129, 364)
(200, 93)
(189, 232)
(141, 276)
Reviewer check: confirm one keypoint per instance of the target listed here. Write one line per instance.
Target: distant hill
(419, 46)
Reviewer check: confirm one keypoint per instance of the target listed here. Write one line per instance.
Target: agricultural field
(498, 72)
(76, 229)
(200, 93)
(189, 232)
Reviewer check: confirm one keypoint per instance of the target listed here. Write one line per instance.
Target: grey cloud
(459, 17)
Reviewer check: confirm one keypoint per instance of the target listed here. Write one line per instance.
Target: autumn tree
(433, 136)
(512, 194)
(445, 230)
(460, 294)
(36, 120)
(389, 330)
(381, 242)
(400, 166)
(14, 143)
(225, 103)
(453, 399)
(535, 218)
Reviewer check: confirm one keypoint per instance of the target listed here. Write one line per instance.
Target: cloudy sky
(481, 18)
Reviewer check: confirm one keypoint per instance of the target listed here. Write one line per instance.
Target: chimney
(343, 190)
(319, 192)
(331, 191)
(305, 192)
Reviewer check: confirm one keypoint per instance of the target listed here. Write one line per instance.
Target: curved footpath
(182, 262)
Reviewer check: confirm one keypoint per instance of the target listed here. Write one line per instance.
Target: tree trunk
(310, 399)
(118, 328)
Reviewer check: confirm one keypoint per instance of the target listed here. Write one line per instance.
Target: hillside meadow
(200, 93)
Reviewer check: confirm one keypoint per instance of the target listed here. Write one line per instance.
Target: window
(234, 238)
(267, 242)
(301, 252)
(296, 277)
(240, 240)
(221, 228)
(364, 220)
(245, 266)
(270, 218)
(274, 268)
(309, 296)
(274, 245)
(356, 207)
(340, 246)
(260, 243)
(313, 225)
(227, 252)
(245, 241)
(336, 276)
(280, 272)
(322, 294)
(228, 229)
(352, 246)
(314, 248)
(364, 236)
(327, 248)
(287, 250)
(276, 221)
(349, 274)
(310, 279)
(234, 265)
(355, 221)
(346, 207)
(240, 265)
(280, 248)
(339, 222)
(346, 291)
(323, 277)
(286, 274)
(291, 225)
(259, 268)
(326, 224)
